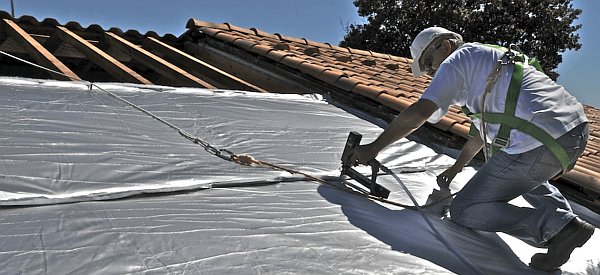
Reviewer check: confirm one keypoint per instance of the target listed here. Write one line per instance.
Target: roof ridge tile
(194, 23)
(340, 49)
(239, 29)
(260, 33)
(361, 52)
(317, 44)
(292, 39)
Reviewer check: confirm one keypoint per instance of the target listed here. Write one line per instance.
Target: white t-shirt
(461, 81)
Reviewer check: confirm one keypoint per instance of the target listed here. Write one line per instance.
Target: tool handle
(352, 141)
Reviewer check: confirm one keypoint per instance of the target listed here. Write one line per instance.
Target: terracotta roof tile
(292, 61)
(360, 52)
(292, 39)
(460, 129)
(311, 51)
(260, 33)
(282, 46)
(277, 55)
(197, 23)
(445, 123)
(398, 104)
(340, 49)
(380, 55)
(369, 62)
(369, 91)
(311, 69)
(347, 83)
(239, 29)
(211, 31)
(245, 44)
(343, 58)
(261, 49)
(392, 66)
(317, 44)
(332, 76)
(227, 37)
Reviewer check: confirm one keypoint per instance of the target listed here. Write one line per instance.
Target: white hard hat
(422, 41)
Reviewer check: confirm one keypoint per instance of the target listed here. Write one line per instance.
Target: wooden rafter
(170, 71)
(199, 67)
(102, 59)
(37, 51)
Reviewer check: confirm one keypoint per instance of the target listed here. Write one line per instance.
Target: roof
(151, 202)
(216, 55)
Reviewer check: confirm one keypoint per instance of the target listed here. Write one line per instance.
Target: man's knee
(457, 208)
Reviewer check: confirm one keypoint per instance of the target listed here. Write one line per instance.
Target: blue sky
(317, 20)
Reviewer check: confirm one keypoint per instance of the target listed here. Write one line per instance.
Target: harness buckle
(500, 142)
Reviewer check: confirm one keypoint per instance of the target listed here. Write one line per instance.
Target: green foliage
(541, 28)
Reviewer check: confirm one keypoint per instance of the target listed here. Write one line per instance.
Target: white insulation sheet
(90, 185)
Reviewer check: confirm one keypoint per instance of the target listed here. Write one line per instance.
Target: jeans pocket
(546, 165)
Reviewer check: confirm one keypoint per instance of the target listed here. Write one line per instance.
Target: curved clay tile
(245, 44)
(227, 37)
(50, 22)
(262, 50)
(239, 29)
(260, 33)
(75, 26)
(29, 19)
(191, 23)
(278, 55)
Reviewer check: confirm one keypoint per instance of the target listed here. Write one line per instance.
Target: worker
(550, 135)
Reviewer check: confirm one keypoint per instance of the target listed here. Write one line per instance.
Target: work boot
(573, 235)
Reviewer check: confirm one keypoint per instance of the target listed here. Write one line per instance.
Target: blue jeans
(483, 203)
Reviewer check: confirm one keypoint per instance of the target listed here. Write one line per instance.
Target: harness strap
(514, 90)
(509, 121)
(529, 128)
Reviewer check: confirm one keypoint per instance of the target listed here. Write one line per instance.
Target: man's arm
(407, 122)
(471, 148)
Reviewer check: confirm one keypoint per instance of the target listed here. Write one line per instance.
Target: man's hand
(405, 123)
(471, 148)
(361, 154)
(444, 179)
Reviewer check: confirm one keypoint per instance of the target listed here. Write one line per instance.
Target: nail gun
(375, 189)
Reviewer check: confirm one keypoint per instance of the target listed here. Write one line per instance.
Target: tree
(542, 29)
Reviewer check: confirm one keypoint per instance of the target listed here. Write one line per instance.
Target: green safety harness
(508, 120)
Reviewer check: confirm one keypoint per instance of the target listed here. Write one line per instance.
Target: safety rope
(250, 161)
(490, 82)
